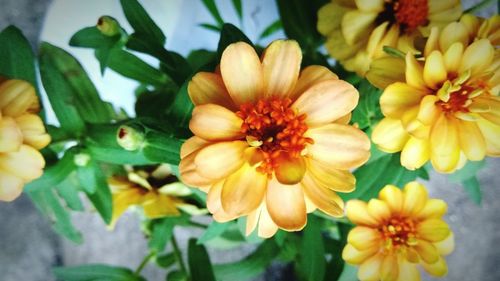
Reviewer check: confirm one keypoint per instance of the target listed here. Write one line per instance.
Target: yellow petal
(290, 170)
(389, 135)
(214, 203)
(193, 144)
(453, 57)
(407, 271)
(433, 230)
(446, 246)
(10, 186)
(219, 160)
(340, 49)
(471, 140)
(328, 177)
(354, 256)
(454, 32)
(477, 56)
(441, 6)
(286, 206)
(357, 212)
(445, 150)
(33, 130)
(325, 199)
(311, 76)
(123, 200)
(432, 42)
(340, 146)
(393, 196)
(267, 227)
(16, 97)
(327, 101)
(427, 251)
(415, 197)
(386, 70)
(329, 18)
(370, 269)
(281, 67)
(415, 153)
(398, 98)
(243, 191)
(26, 163)
(428, 110)
(362, 237)
(370, 5)
(434, 70)
(357, 24)
(434, 208)
(242, 73)
(491, 134)
(215, 123)
(414, 72)
(160, 206)
(389, 269)
(437, 269)
(412, 125)
(379, 209)
(11, 136)
(448, 15)
(206, 87)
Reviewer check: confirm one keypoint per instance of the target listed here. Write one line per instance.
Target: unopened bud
(108, 26)
(81, 159)
(130, 138)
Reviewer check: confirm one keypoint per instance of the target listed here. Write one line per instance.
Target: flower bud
(130, 137)
(81, 159)
(108, 26)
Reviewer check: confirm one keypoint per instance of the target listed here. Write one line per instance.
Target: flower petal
(445, 149)
(471, 140)
(267, 227)
(428, 111)
(215, 123)
(389, 269)
(206, 87)
(379, 209)
(398, 98)
(437, 269)
(286, 206)
(415, 197)
(415, 153)
(334, 179)
(434, 208)
(11, 136)
(433, 230)
(414, 72)
(477, 57)
(386, 70)
(281, 67)
(33, 130)
(370, 268)
(434, 70)
(242, 73)
(218, 160)
(189, 173)
(446, 246)
(370, 5)
(491, 134)
(327, 101)
(453, 57)
(407, 271)
(454, 32)
(427, 251)
(393, 196)
(362, 237)
(311, 76)
(191, 145)
(357, 212)
(214, 203)
(10, 186)
(26, 163)
(357, 24)
(243, 191)
(354, 256)
(339, 146)
(389, 135)
(16, 97)
(325, 199)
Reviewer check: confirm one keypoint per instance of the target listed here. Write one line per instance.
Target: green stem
(178, 255)
(479, 6)
(144, 263)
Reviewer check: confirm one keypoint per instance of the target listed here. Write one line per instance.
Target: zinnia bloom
(271, 143)
(447, 108)
(357, 30)
(22, 133)
(397, 232)
(155, 189)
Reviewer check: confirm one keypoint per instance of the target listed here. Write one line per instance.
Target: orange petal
(214, 203)
(311, 76)
(286, 206)
(339, 146)
(327, 101)
(242, 73)
(26, 163)
(243, 191)
(206, 87)
(219, 160)
(357, 212)
(33, 130)
(190, 175)
(191, 145)
(325, 199)
(11, 136)
(281, 67)
(10, 186)
(328, 177)
(215, 123)
(16, 97)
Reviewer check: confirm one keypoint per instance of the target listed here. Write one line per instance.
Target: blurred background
(28, 246)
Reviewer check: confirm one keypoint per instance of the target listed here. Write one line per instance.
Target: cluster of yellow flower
(22, 133)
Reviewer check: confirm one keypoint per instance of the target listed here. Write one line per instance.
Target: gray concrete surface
(29, 248)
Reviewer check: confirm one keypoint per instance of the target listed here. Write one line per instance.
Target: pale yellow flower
(397, 233)
(357, 30)
(271, 142)
(155, 189)
(447, 108)
(22, 134)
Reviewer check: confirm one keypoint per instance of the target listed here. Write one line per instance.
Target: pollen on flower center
(275, 128)
(458, 100)
(409, 14)
(398, 232)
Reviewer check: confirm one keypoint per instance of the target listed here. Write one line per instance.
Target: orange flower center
(276, 129)
(409, 14)
(458, 101)
(398, 232)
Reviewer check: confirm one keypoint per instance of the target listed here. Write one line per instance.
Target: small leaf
(271, 29)
(214, 230)
(93, 272)
(162, 233)
(211, 27)
(239, 8)
(393, 52)
(311, 262)
(202, 60)
(212, 8)
(166, 260)
(177, 276)
(200, 266)
(368, 112)
(91, 37)
(67, 190)
(179, 112)
(101, 195)
(141, 22)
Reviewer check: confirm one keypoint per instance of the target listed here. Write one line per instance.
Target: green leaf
(336, 263)
(67, 190)
(239, 8)
(163, 148)
(271, 29)
(211, 27)
(212, 8)
(162, 233)
(299, 19)
(166, 260)
(214, 230)
(54, 174)
(311, 260)
(469, 171)
(16, 56)
(200, 266)
(179, 112)
(202, 59)
(349, 273)
(251, 266)
(473, 189)
(177, 276)
(92, 272)
(368, 112)
(230, 34)
(141, 22)
(134, 68)
(91, 37)
(100, 194)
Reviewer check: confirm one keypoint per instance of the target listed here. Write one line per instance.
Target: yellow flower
(447, 108)
(357, 30)
(22, 134)
(397, 232)
(155, 189)
(271, 143)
